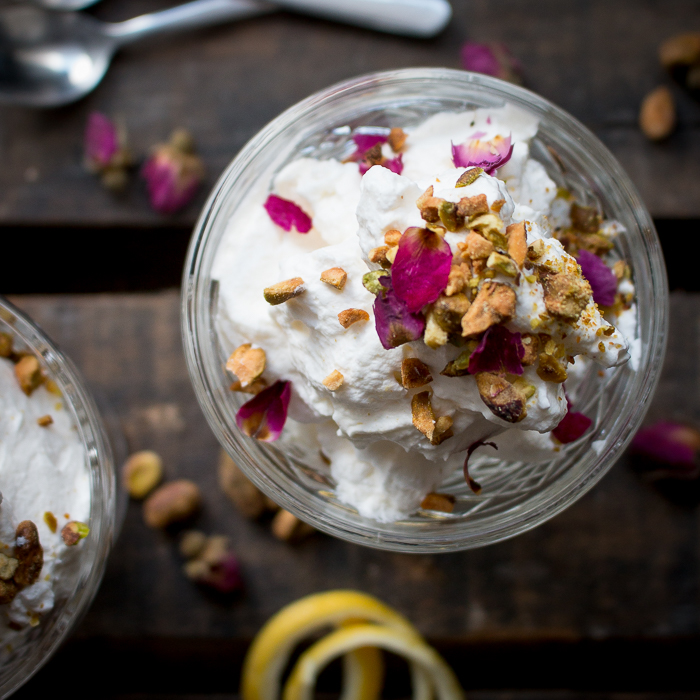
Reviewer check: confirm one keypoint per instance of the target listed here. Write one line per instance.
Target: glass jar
(519, 495)
(31, 647)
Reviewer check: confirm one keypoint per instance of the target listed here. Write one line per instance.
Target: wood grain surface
(596, 59)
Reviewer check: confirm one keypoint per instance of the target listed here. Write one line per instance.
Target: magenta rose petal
(366, 141)
(287, 214)
(421, 268)
(667, 443)
(395, 324)
(572, 426)
(488, 155)
(490, 59)
(101, 140)
(601, 278)
(499, 350)
(264, 416)
(169, 187)
(394, 164)
(225, 575)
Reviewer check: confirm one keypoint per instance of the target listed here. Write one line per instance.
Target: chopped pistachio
(468, 177)
(284, 291)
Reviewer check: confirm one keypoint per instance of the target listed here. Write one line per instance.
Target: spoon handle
(192, 15)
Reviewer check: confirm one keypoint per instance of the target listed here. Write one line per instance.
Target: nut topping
(397, 139)
(335, 276)
(472, 206)
(284, 291)
(458, 279)
(334, 380)
(44, 421)
(449, 311)
(442, 502)
(73, 532)
(5, 345)
(502, 263)
(429, 205)
(434, 335)
(29, 553)
(531, 344)
(468, 177)
(476, 247)
(350, 316)
(392, 237)
(495, 303)
(28, 373)
(378, 255)
(517, 243)
(550, 369)
(172, 502)
(423, 415)
(414, 373)
(566, 294)
(141, 473)
(501, 397)
(247, 363)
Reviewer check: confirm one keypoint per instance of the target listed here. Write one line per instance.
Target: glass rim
(103, 495)
(589, 148)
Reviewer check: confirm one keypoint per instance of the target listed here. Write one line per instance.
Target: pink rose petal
(490, 59)
(421, 268)
(488, 155)
(602, 279)
(366, 141)
(287, 214)
(668, 443)
(394, 322)
(264, 416)
(394, 164)
(224, 575)
(498, 351)
(572, 426)
(101, 140)
(474, 485)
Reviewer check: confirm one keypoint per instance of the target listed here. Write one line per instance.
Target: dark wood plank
(596, 59)
(622, 562)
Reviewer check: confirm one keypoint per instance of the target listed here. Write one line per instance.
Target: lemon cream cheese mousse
(432, 294)
(45, 488)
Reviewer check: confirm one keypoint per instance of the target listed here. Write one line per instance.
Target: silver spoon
(51, 58)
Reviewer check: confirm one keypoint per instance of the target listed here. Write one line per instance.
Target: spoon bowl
(50, 58)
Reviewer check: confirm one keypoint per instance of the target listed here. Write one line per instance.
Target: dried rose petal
(287, 214)
(101, 140)
(488, 155)
(394, 164)
(366, 141)
(264, 416)
(498, 351)
(601, 278)
(474, 485)
(490, 59)
(395, 323)
(572, 426)
(671, 444)
(173, 173)
(421, 267)
(225, 575)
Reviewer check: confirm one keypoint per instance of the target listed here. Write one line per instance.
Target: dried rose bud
(264, 416)
(106, 152)
(215, 566)
(491, 59)
(671, 448)
(173, 173)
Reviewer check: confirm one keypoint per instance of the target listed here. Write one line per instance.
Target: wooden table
(603, 600)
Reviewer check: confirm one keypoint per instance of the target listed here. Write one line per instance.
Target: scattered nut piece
(459, 367)
(284, 291)
(28, 373)
(501, 397)
(50, 520)
(517, 243)
(391, 254)
(495, 303)
(289, 528)
(397, 139)
(44, 421)
(350, 316)
(249, 500)
(434, 335)
(442, 502)
(73, 532)
(8, 590)
(443, 430)
(476, 247)
(247, 363)
(585, 219)
(172, 502)
(657, 115)
(335, 276)
(5, 345)
(414, 373)
(531, 344)
(498, 205)
(392, 237)
(192, 543)
(255, 388)
(680, 50)
(29, 553)
(424, 420)
(490, 227)
(429, 206)
(535, 250)
(378, 255)
(550, 369)
(468, 177)
(141, 473)
(449, 311)
(473, 206)
(502, 263)
(566, 294)
(8, 566)
(449, 216)
(370, 281)
(458, 280)
(334, 380)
